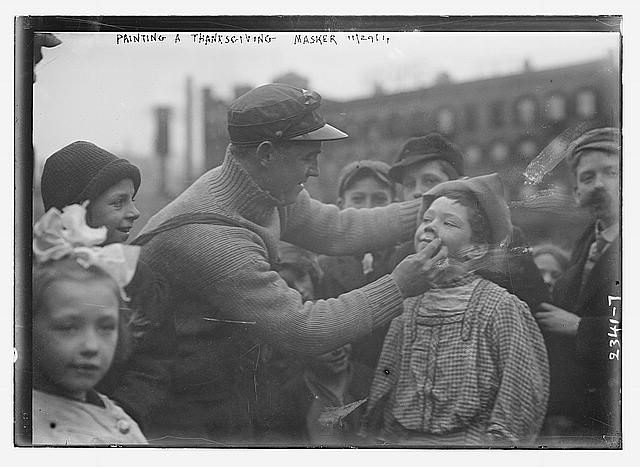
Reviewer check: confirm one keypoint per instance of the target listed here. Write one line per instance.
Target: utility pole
(188, 157)
(163, 114)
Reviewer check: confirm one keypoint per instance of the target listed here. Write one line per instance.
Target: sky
(102, 88)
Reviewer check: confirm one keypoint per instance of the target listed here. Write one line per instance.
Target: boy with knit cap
(82, 171)
(361, 184)
(217, 246)
(582, 324)
(465, 364)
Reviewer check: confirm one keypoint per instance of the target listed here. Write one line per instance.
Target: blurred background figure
(361, 184)
(425, 162)
(315, 405)
(322, 405)
(582, 325)
(552, 261)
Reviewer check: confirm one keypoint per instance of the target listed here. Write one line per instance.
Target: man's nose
(598, 182)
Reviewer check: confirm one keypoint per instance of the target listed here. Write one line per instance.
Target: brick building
(500, 123)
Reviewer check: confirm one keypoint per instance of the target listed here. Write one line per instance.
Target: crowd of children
(479, 359)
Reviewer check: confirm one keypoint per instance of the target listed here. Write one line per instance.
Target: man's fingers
(442, 254)
(428, 251)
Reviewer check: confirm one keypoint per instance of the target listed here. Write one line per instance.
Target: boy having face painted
(465, 364)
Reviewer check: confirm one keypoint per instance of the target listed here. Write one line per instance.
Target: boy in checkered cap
(465, 364)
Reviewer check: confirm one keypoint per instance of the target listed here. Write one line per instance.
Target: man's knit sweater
(226, 296)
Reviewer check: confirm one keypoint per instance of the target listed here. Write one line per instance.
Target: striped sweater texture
(227, 271)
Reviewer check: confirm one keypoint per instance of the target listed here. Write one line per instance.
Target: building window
(497, 114)
(499, 151)
(470, 117)
(473, 155)
(445, 122)
(417, 123)
(526, 111)
(527, 149)
(556, 108)
(394, 125)
(586, 103)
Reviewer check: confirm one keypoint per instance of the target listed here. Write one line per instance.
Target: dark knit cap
(82, 171)
(489, 191)
(426, 148)
(376, 169)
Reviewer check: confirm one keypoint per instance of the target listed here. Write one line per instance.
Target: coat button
(123, 426)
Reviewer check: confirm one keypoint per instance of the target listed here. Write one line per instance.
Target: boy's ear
(264, 153)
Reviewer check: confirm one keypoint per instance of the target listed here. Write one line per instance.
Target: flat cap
(377, 169)
(426, 148)
(278, 112)
(598, 139)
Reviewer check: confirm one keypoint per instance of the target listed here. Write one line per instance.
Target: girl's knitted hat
(489, 192)
(82, 171)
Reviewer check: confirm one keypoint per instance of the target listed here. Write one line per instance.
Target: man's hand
(415, 273)
(556, 320)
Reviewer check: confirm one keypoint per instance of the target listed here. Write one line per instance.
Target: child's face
(298, 280)
(115, 210)
(447, 220)
(549, 268)
(367, 192)
(75, 335)
(420, 177)
(334, 362)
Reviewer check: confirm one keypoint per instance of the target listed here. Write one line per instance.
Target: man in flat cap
(192, 379)
(583, 327)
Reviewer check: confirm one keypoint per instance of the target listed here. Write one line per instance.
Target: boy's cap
(278, 112)
(376, 169)
(598, 139)
(82, 171)
(425, 148)
(489, 191)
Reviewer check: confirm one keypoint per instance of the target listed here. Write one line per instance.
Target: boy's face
(115, 210)
(298, 280)
(75, 335)
(598, 184)
(367, 192)
(447, 220)
(549, 268)
(420, 177)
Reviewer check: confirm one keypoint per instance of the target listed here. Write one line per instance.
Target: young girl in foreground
(465, 364)
(76, 306)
